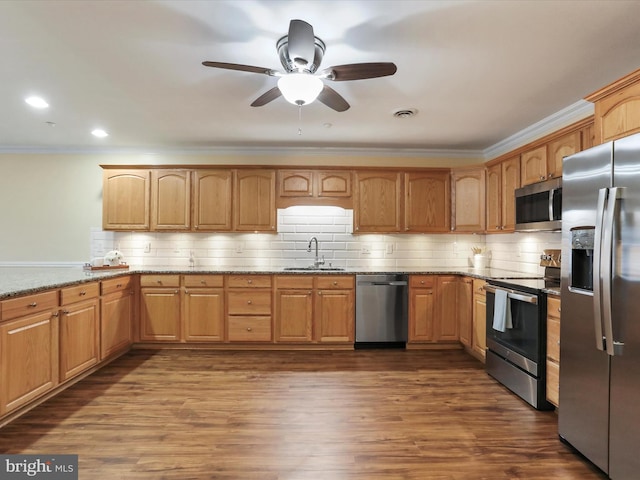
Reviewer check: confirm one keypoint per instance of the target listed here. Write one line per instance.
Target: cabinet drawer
(80, 292)
(203, 281)
(338, 282)
(553, 307)
(421, 281)
(249, 303)
(294, 281)
(249, 281)
(250, 329)
(553, 339)
(19, 307)
(553, 382)
(116, 285)
(160, 281)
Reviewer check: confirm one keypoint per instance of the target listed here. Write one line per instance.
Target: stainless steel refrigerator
(599, 412)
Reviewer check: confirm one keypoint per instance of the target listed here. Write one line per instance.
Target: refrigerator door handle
(609, 224)
(603, 194)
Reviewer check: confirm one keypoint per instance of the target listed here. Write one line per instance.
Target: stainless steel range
(517, 335)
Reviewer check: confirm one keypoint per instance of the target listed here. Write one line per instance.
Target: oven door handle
(514, 294)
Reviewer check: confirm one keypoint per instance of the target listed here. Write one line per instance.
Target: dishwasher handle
(396, 283)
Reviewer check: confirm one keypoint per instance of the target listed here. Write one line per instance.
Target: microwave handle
(552, 194)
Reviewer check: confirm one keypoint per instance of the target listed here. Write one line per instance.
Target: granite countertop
(16, 281)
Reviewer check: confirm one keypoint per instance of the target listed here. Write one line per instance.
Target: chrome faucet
(317, 261)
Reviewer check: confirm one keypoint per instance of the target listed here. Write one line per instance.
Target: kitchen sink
(314, 269)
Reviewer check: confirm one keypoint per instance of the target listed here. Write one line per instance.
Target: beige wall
(50, 202)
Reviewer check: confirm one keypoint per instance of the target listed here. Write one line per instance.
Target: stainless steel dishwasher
(381, 310)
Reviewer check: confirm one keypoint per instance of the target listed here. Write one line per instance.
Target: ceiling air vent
(405, 113)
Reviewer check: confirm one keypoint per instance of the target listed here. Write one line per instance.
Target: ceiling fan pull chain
(300, 119)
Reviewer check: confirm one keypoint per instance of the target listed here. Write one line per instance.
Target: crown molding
(571, 114)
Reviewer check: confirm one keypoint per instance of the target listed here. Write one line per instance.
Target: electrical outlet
(239, 247)
(147, 247)
(366, 249)
(389, 248)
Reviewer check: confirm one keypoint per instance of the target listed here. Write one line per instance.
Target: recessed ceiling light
(36, 102)
(98, 132)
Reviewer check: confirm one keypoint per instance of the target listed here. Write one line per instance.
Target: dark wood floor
(353, 415)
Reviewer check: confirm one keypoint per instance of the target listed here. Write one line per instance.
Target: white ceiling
(478, 72)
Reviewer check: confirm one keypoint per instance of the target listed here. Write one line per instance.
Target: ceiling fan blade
(359, 71)
(267, 97)
(242, 68)
(301, 41)
(333, 99)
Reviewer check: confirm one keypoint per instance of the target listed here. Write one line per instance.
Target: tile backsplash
(333, 227)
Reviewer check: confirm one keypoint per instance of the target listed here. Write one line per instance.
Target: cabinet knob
(119, 285)
(421, 282)
(66, 312)
(248, 302)
(33, 304)
(335, 283)
(319, 293)
(83, 293)
(159, 282)
(54, 314)
(248, 329)
(204, 282)
(249, 281)
(559, 309)
(176, 292)
(186, 292)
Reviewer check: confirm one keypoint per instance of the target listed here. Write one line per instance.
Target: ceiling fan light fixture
(300, 88)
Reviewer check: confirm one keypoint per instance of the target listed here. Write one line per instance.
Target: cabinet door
(533, 166)
(204, 315)
(295, 183)
(333, 184)
(479, 343)
(617, 114)
(446, 325)
(509, 183)
(170, 200)
(427, 202)
(378, 198)
(468, 198)
(334, 316)
(294, 315)
(212, 200)
(421, 315)
(79, 338)
(28, 359)
(125, 199)
(558, 149)
(465, 310)
(160, 314)
(116, 322)
(255, 200)
(494, 198)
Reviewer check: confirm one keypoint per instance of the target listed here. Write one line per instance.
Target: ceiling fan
(301, 53)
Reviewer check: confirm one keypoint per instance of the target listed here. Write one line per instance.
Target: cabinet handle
(248, 329)
(33, 304)
(159, 282)
(83, 293)
(65, 312)
(118, 285)
(203, 282)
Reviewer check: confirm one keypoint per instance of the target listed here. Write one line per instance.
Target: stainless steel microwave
(539, 206)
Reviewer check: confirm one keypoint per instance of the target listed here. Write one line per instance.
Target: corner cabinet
(468, 200)
(427, 204)
(378, 201)
(255, 201)
(125, 199)
(117, 312)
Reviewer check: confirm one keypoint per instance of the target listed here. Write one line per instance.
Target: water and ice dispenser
(582, 258)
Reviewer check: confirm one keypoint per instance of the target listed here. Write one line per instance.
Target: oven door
(520, 344)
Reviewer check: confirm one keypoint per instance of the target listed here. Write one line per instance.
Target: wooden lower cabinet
(553, 349)
(79, 329)
(160, 319)
(464, 303)
(249, 308)
(433, 309)
(116, 316)
(334, 315)
(28, 349)
(203, 308)
(294, 309)
(479, 340)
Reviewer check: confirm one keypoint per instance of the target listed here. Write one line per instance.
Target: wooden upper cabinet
(468, 200)
(427, 201)
(314, 187)
(558, 149)
(170, 200)
(588, 139)
(125, 199)
(617, 109)
(255, 200)
(494, 198)
(378, 201)
(533, 166)
(510, 182)
(212, 200)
